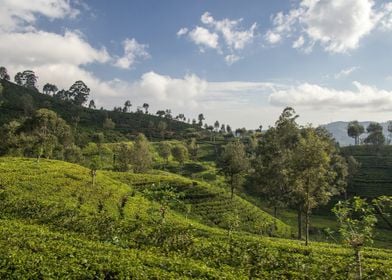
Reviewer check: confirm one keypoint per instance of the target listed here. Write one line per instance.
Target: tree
(79, 93)
(383, 208)
(4, 74)
(164, 150)
(389, 128)
(146, 106)
(273, 164)
(127, 106)
(123, 157)
(356, 224)
(193, 148)
(375, 135)
(49, 88)
(216, 126)
(160, 113)
(234, 164)
(180, 153)
(48, 131)
(354, 130)
(168, 114)
(30, 79)
(228, 129)
(162, 126)
(91, 105)
(108, 124)
(201, 119)
(141, 156)
(18, 78)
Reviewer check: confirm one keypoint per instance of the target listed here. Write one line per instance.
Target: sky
(239, 62)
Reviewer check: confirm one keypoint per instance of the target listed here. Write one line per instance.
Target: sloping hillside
(55, 223)
(211, 205)
(374, 177)
(19, 102)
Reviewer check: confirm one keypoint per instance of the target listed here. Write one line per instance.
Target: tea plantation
(54, 223)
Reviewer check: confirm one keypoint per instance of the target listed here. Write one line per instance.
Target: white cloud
(132, 52)
(346, 72)
(203, 37)
(18, 14)
(226, 36)
(182, 31)
(32, 49)
(315, 96)
(234, 37)
(338, 26)
(273, 37)
(231, 58)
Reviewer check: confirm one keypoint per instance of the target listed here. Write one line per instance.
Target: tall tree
(4, 74)
(19, 78)
(79, 92)
(316, 178)
(234, 164)
(127, 106)
(201, 118)
(193, 148)
(30, 79)
(164, 150)
(141, 156)
(354, 130)
(91, 105)
(375, 134)
(146, 106)
(160, 113)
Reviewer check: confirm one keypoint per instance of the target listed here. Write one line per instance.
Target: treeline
(375, 135)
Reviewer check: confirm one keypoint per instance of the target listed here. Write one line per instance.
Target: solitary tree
(91, 105)
(160, 113)
(164, 150)
(4, 74)
(356, 224)
(19, 78)
(123, 157)
(141, 156)
(201, 119)
(79, 92)
(354, 130)
(127, 106)
(30, 79)
(146, 106)
(234, 164)
(193, 148)
(375, 135)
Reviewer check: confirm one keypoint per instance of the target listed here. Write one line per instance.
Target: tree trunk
(359, 263)
(299, 223)
(306, 228)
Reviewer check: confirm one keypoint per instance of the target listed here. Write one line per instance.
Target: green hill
(19, 102)
(211, 205)
(374, 177)
(55, 224)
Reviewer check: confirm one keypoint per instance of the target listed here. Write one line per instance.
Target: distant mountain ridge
(339, 131)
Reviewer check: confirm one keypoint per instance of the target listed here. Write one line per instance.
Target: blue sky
(240, 62)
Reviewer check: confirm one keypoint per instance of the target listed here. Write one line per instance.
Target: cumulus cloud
(338, 26)
(19, 14)
(132, 52)
(31, 49)
(315, 96)
(226, 36)
(203, 37)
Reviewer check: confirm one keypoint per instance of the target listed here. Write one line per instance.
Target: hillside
(19, 102)
(374, 177)
(92, 232)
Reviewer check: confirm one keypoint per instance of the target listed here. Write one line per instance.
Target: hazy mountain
(339, 131)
